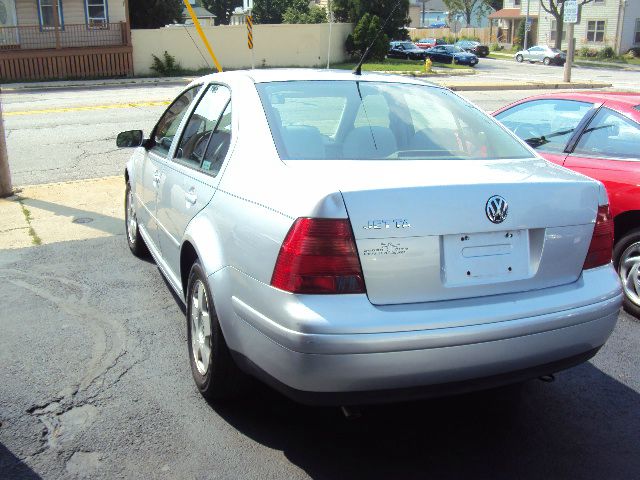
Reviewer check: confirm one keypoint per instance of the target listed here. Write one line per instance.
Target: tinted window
(201, 125)
(218, 145)
(546, 125)
(610, 135)
(379, 120)
(169, 122)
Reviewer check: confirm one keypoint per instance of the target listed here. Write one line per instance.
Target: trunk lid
(423, 232)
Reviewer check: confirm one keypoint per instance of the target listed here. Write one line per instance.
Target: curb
(59, 84)
(480, 87)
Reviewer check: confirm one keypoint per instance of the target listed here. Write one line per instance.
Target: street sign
(527, 25)
(570, 11)
(249, 20)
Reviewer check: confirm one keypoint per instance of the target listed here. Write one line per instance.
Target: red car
(597, 134)
(427, 43)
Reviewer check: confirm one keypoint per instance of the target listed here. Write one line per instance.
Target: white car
(541, 53)
(350, 238)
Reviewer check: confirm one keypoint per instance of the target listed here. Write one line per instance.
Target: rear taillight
(319, 255)
(602, 241)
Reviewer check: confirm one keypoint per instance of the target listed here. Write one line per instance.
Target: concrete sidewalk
(59, 212)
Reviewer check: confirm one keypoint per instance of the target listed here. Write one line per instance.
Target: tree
(556, 9)
(314, 14)
(467, 8)
(272, 11)
(363, 34)
(155, 13)
(222, 9)
(353, 11)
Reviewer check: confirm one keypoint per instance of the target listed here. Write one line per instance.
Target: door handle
(191, 197)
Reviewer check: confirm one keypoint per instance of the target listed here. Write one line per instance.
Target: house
(204, 16)
(42, 39)
(237, 17)
(435, 14)
(602, 23)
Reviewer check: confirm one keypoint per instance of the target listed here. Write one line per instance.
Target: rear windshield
(333, 120)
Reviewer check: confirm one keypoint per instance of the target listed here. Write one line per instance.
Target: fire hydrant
(427, 65)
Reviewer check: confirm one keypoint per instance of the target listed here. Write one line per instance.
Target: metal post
(330, 28)
(526, 26)
(570, 49)
(424, 5)
(196, 23)
(6, 189)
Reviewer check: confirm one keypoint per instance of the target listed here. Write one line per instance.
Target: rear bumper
(314, 362)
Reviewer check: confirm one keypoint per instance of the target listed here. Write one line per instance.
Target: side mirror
(132, 138)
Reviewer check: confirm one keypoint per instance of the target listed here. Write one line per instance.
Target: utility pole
(527, 27)
(6, 189)
(570, 18)
(330, 14)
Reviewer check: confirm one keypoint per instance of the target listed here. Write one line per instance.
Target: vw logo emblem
(497, 209)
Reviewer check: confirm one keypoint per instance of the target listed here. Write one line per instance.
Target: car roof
(266, 75)
(623, 98)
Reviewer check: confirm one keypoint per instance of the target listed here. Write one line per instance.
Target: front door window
(168, 125)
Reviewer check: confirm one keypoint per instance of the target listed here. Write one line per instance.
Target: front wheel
(626, 258)
(214, 371)
(519, 58)
(547, 61)
(134, 239)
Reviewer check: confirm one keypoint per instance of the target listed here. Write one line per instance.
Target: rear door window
(546, 125)
(201, 127)
(611, 135)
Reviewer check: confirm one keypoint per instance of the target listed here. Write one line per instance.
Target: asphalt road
(95, 379)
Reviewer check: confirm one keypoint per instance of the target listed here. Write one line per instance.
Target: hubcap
(132, 222)
(200, 327)
(629, 271)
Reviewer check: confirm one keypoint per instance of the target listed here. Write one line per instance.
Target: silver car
(541, 53)
(352, 239)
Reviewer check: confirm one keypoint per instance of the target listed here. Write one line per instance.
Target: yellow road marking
(87, 108)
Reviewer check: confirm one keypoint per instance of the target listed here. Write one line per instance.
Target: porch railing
(30, 37)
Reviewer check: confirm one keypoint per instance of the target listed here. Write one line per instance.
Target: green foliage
(519, 38)
(634, 52)
(586, 52)
(166, 66)
(468, 8)
(272, 11)
(314, 14)
(363, 34)
(353, 11)
(222, 9)
(607, 52)
(495, 47)
(155, 13)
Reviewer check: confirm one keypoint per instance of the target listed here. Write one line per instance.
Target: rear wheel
(519, 58)
(547, 61)
(214, 371)
(626, 258)
(134, 239)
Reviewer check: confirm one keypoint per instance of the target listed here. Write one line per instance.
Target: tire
(628, 247)
(217, 377)
(547, 61)
(134, 239)
(519, 58)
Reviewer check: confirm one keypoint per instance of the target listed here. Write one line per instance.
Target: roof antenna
(358, 69)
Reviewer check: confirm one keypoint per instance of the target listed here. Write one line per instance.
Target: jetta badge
(497, 209)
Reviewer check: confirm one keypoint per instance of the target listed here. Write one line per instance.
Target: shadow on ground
(582, 426)
(11, 467)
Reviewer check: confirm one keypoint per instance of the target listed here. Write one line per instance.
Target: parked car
(429, 42)
(473, 47)
(597, 134)
(544, 54)
(449, 53)
(355, 238)
(406, 50)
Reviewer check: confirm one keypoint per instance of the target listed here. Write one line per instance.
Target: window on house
(47, 16)
(96, 13)
(516, 3)
(595, 31)
(636, 38)
(554, 32)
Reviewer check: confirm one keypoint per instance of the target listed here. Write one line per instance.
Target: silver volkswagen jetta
(350, 239)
